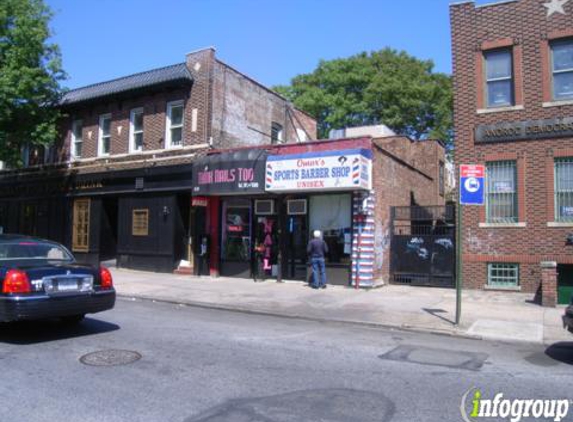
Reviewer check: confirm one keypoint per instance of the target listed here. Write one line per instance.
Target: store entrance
(296, 240)
(236, 234)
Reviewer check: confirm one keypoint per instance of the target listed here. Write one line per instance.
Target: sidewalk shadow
(33, 332)
(562, 352)
(436, 312)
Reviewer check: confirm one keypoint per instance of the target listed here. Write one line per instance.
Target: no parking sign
(472, 180)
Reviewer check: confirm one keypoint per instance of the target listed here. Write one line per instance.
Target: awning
(230, 173)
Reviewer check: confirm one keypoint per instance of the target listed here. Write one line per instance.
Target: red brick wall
(526, 24)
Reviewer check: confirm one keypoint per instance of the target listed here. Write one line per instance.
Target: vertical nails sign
(472, 181)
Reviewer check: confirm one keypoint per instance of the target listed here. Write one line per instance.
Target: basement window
(503, 275)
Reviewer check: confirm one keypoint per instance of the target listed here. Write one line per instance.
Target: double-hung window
(499, 78)
(564, 189)
(136, 130)
(501, 191)
(562, 69)
(104, 142)
(76, 147)
(174, 124)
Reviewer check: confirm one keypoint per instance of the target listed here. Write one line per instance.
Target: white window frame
(74, 140)
(100, 152)
(279, 129)
(510, 78)
(169, 127)
(132, 132)
(562, 71)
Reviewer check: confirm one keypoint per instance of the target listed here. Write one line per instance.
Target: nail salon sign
(319, 171)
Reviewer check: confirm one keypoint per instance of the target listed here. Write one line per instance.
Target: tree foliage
(383, 87)
(30, 75)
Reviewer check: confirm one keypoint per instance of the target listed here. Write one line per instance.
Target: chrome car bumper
(17, 308)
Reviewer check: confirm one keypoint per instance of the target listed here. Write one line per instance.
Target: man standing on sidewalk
(317, 249)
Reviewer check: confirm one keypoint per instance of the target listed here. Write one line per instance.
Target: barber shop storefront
(261, 209)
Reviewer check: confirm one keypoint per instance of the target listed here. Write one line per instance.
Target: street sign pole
(459, 264)
(470, 192)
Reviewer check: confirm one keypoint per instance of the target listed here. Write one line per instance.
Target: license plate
(67, 285)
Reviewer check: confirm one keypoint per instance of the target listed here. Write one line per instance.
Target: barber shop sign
(319, 171)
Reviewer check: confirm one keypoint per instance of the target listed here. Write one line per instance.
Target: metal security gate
(422, 248)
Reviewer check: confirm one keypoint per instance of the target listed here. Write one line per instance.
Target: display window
(332, 215)
(236, 231)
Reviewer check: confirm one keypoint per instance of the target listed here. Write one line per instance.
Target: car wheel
(72, 319)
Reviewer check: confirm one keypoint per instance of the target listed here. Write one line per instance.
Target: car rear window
(33, 250)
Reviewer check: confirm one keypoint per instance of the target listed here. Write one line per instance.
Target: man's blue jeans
(318, 266)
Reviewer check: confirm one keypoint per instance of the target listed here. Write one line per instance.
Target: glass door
(236, 233)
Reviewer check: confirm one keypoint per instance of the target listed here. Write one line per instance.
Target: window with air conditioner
(264, 207)
(296, 207)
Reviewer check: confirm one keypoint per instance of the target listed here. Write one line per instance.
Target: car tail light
(106, 279)
(16, 281)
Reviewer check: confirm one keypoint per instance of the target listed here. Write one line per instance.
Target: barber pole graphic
(356, 171)
(269, 178)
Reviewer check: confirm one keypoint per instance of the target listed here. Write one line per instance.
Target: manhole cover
(110, 358)
(437, 357)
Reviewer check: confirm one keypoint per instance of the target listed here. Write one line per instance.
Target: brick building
(343, 187)
(513, 112)
(117, 185)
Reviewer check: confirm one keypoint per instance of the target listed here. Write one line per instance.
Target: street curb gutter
(401, 327)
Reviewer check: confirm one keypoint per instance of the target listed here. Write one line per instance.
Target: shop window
(174, 125)
(136, 130)
(332, 215)
(276, 133)
(140, 222)
(104, 144)
(501, 192)
(503, 275)
(77, 143)
(499, 78)
(563, 189)
(81, 225)
(562, 69)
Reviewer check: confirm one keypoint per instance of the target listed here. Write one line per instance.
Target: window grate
(564, 189)
(501, 192)
(503, 275)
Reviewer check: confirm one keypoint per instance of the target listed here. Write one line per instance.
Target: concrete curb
(401, 327)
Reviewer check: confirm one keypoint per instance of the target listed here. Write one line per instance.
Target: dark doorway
(108, 229)
(236, 234)
(200, 241)
(182, 250)
(564, 284)
(295, 247)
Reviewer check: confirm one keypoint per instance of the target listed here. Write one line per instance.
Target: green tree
(382, 87)
(30, 75)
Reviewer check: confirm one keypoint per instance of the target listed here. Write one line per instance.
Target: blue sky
(270, 40)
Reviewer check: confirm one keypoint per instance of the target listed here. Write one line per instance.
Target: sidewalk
(487, 315)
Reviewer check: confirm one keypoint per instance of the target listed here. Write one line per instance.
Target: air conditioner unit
(296, 207)
(264, 207)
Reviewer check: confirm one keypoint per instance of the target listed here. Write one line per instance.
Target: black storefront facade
(138, 218)
(254, 231)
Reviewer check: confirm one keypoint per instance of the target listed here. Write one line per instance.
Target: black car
(41, 279)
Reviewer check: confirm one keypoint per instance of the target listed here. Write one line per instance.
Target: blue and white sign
(472, 181)
(320, 171)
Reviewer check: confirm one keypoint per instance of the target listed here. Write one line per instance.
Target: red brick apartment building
(513, 112)
(117, 184)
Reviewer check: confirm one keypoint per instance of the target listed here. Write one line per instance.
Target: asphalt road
(206, 365)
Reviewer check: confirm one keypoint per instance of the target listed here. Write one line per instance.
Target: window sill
(499, 109)
(559, 224)
(502, 289)
(502, 225)
(558, 103)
